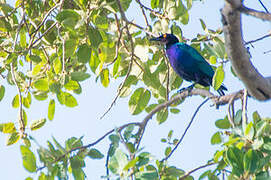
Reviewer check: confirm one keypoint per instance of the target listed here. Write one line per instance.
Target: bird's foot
(189, 89)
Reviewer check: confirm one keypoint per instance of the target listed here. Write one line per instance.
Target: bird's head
(167, 39)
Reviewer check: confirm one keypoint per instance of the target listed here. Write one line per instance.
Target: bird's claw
(189, 89)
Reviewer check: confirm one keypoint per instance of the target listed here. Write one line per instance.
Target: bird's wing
(201, 63)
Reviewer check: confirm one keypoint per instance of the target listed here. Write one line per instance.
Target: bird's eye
(165, 36)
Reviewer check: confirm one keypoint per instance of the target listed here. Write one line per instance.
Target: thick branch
(255, 13)
(257, 85)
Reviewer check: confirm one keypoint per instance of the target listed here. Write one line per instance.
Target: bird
(188, 63)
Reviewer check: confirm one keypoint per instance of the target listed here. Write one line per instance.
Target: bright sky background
(84, 120)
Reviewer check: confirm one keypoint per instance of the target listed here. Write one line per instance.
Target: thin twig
(261, 38)
(45, 17)
(196, 169)
(186, 129)
(107, 162)
(244, 107)
(266, 10)
(91, 144)
(132, 55)
(39, 38)
(21, 120)
(143, 12)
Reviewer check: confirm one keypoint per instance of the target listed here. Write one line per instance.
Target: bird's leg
(189, 88)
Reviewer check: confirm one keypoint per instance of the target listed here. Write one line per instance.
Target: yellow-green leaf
(105, 77)
(12, 138)
(139, 100)
(7, 127)
(71, 85)
(29, 159)
(41, 84)
(15, 101)
(218, 77)
(83, 53)
(57, 64)
(2, 92)
(51, 109)
(70, 101)
(37, 124)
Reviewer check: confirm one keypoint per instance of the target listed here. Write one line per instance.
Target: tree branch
(257, 85)
(252, 12)
(194, 170)
(186, 129)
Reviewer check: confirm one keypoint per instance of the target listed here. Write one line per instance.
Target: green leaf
(51, 109)
(218, 77)
(34, 58)
(235, 158)
(174, 110)
(73, 142)
(70, 101)
(139, 100)
(216, 138)
(94, 37)
(212, 60)
(249, 131)
(105, 77)
(29, 159)
(41, 84)
(7, 127)
(162, 115)
(12, 138)
(84, 53)
(67, 14)
(70, 47)
(223, 123)
(15, 101)
(154, 4)
(95, 154)
(79, 76)
(116, 66)
(23, 37)
(203, 25)
(251, 160)
(57, 65)
(114, 138)
(71, 85)
(146, 175)
(238, 117)
(37, 124)
(2, 92)
(256, 117)
(167, 151)
(27, 100)
(131, 164)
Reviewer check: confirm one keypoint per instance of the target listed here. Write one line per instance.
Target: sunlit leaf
(139, 100)
(95, 154)
(2, 92)
(12, 138)
(218, 77)
(29, 159)
(79, 76)
(83, 53)
(37, 124)
(105, 77)
(41, 84)
(7, 127)
(216, 138)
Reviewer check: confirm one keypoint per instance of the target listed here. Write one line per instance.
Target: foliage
(49, 48)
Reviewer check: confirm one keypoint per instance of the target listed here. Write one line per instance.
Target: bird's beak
(156, 39)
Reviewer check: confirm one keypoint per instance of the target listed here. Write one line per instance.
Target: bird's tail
(221, 90)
